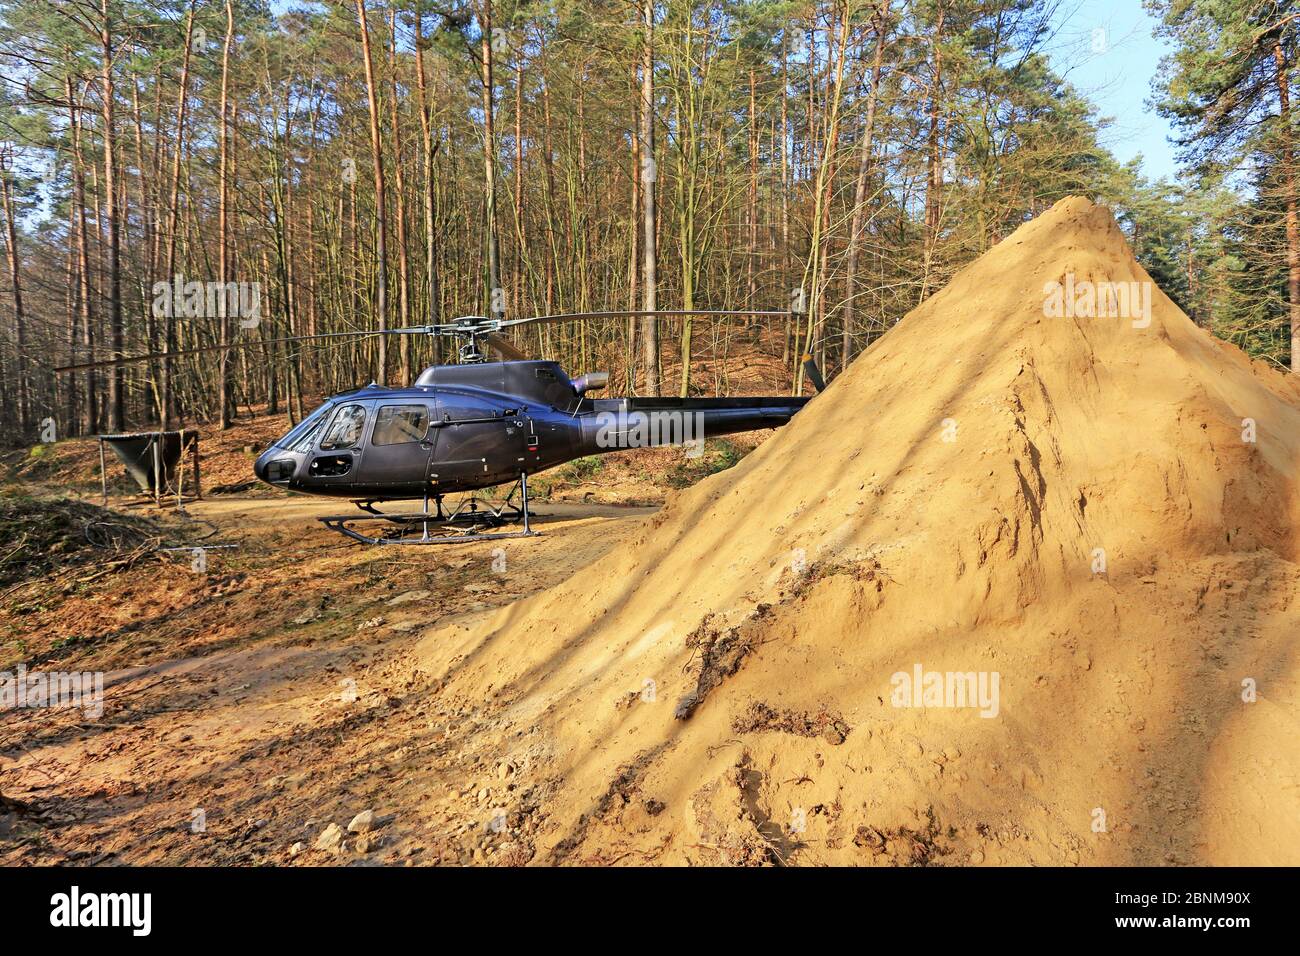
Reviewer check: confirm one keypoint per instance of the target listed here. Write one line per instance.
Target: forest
(180, 176)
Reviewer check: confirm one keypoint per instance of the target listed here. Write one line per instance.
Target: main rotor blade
(466, 325)
(504, 347)
(634, 313)
(251, 343)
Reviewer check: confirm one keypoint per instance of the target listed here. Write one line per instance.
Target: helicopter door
(397, 455)
(472, 445)
(339, 456)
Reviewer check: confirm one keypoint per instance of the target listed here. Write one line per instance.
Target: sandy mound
(724, 689)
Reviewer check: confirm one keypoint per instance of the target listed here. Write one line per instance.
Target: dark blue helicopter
(477, 425)
(464, 428)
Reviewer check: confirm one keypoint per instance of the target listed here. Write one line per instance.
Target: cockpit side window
(400, 423)
(344, 430)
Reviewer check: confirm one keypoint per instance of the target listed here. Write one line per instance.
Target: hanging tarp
(136, 452)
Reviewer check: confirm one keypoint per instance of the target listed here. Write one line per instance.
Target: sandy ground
(278, 697)
(1078, 532)
(1020, 588)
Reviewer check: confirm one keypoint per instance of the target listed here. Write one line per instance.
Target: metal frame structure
(493, 516)
(189, 441)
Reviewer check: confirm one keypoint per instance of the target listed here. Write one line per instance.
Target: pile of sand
(1068, 507)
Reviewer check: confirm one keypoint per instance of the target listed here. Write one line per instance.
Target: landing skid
(472, 520)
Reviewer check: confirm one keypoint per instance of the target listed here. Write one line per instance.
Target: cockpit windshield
(301, 436)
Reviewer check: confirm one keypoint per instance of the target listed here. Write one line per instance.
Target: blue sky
(1116, 75)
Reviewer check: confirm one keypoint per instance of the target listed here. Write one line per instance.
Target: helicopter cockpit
(368, 438)
(278, 464)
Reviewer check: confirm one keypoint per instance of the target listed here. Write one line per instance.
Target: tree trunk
(24, 396)
(225, 386)
(117, 377)
(430, 196)
(634, 264)
(751, 239)
(815, 273)
(649, 323)
(788, 330)
(496, 303)
(403, 266)
(860, 188)
(167, 401)
(1288, 180)
(934, 178)
(521, 238)
(381, 225)
(70, 396)
(90, 417)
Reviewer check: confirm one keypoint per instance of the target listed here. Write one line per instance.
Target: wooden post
(198, 487)
(157, 469)
(180, 474)
(103, 473)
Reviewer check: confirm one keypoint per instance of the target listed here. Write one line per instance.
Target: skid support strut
(466, 523)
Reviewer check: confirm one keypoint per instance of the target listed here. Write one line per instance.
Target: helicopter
(479, 424)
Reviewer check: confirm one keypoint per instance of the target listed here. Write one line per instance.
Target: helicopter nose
(277, 466)
(262, 464)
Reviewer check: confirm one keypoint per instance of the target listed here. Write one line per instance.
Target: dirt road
(251, 704)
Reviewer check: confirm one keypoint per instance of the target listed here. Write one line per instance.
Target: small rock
(406, 626)
(363, 822)
(365, 843)
(505, 769)
(835, 733)
(869, 838)
(977, 856)
(372, 623)
(408, 597)
(296, 849)
(686, 706)
(330, 839)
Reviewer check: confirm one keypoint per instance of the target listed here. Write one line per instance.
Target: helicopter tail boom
(619, 424)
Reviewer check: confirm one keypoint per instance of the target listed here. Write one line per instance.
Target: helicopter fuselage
(460, 428)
